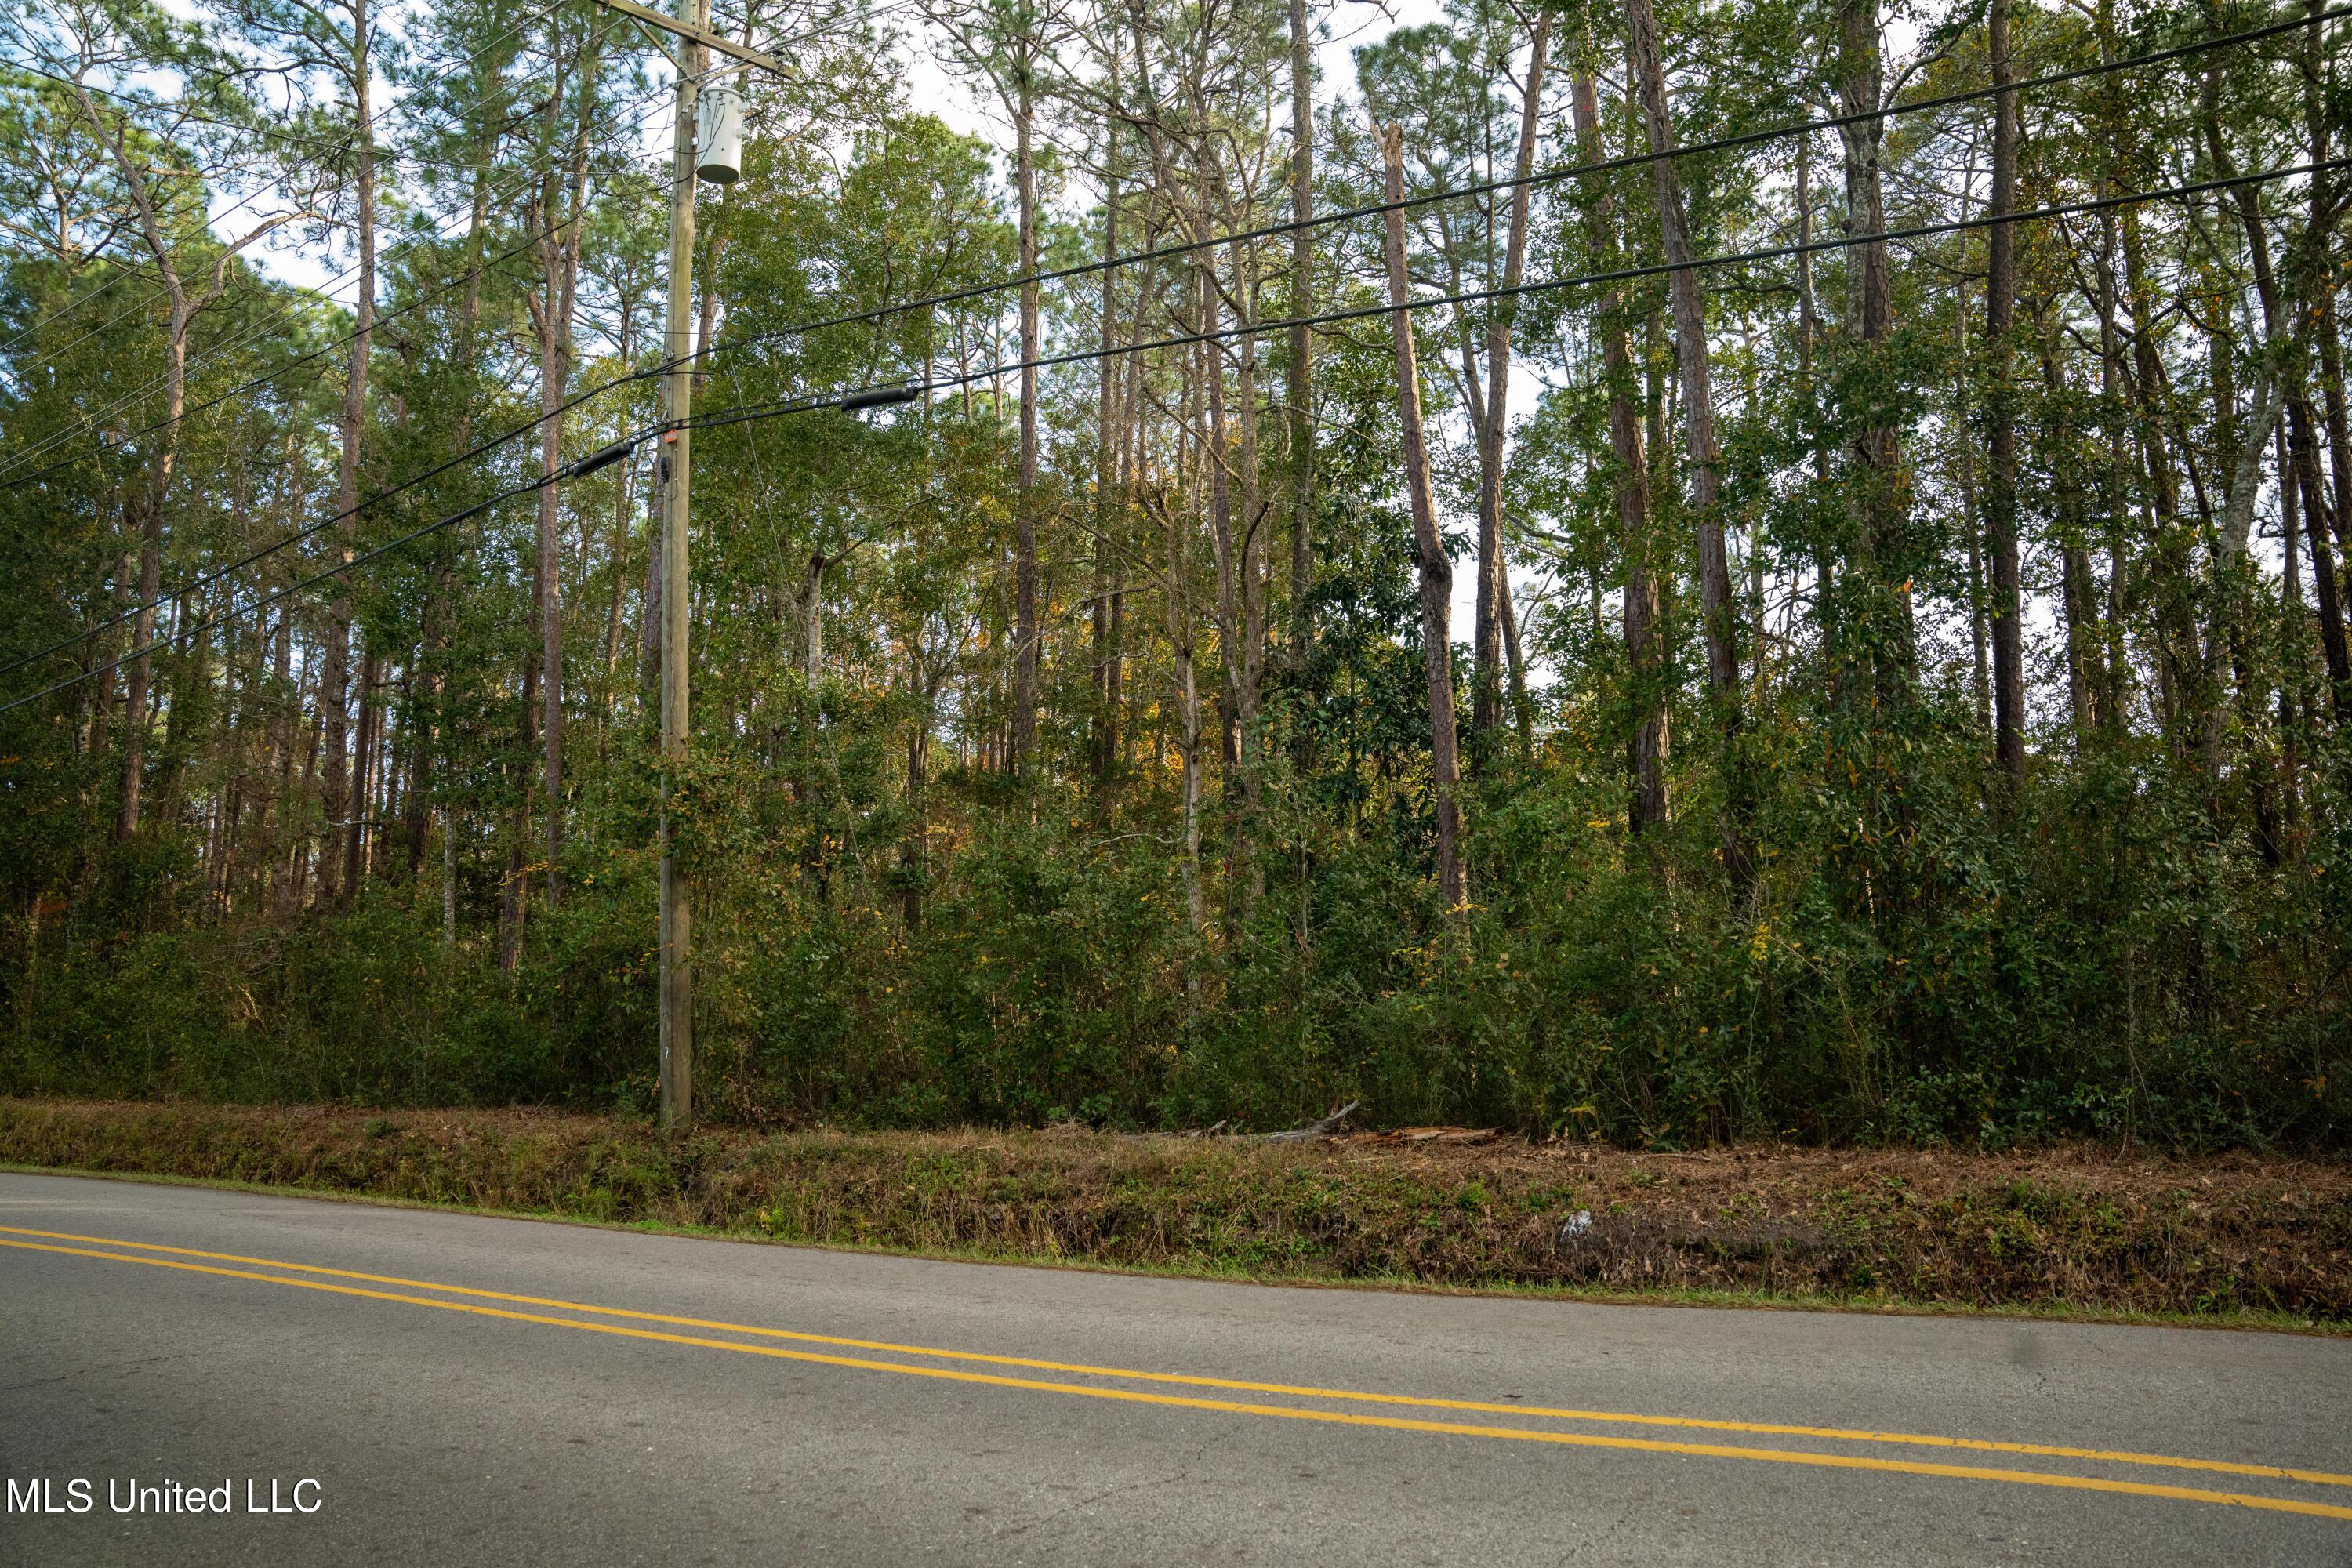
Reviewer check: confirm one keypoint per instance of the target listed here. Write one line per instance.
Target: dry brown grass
(2066, 1228)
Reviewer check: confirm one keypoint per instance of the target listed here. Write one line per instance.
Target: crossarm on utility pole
(692, 33)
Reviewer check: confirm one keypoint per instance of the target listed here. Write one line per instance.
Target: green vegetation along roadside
(2071, 1229)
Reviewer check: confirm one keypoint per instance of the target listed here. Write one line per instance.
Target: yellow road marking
(1278, 1412)
(1191, 1380)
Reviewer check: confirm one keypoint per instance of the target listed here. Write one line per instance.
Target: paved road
(505, 1391)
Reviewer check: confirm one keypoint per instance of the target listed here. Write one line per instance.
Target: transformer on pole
(718, 136)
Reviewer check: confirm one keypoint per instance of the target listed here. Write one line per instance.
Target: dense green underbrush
(2095, 967)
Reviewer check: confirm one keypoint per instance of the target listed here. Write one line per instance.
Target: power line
(314, 530)
(9, 479)
(344, 146)
(1719, 144)
(722, 417)
(337, 146)
(214, 353)
(594, 460)
(1544, 177)
(204, 579)
(1566, 172)
(222, 616)
(1586, 280)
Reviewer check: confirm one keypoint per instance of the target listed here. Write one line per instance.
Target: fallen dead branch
(1326, 1128)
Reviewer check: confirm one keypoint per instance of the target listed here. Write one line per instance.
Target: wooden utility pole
(676, 916)
(677, 907)
(692, 28)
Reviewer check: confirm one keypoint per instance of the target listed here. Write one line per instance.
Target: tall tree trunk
(1210, 362)
(514, 904)
(1719, 614)
(624, 506)
(150, 583)
(2339, 432)
(2281, 382)
(2000, 415)
(1971, 517)
(2325, 329)
(2293, 657)
(1186, 698)
(1809, 334)
(1877, 481)
(190, 703)
(2169, 538)
(546, 589)
(1251, 566)
(1025, 560)
(559, 250)
(334, 669)
(1429, 547)
(363, 771)
(432, 654)
(1298, 389)
(914, 853)
(1644, 652)
(1108, 370)
(2077, 602)
(2112, 410)
(101, 655)
(1494, 570)
(284, 705)
(182, 307)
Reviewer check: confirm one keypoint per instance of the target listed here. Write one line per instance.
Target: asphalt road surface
(458, 1389)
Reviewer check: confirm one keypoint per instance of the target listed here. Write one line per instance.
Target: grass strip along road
(2061, 1231)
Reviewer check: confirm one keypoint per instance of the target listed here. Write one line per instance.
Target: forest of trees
(1905, 691)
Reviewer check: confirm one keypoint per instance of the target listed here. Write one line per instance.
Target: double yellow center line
(147, 1252)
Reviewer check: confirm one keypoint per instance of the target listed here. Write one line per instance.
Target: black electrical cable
(1541, 176)
(74, 305)
(526, 487)
(730, 417)
(397, 249)
(1544, 285)
(313, 530)
(1567, 172)
(337, 146)
(899, 391)
(10, 480)
(1564, 172)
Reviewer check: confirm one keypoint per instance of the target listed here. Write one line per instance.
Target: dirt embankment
(2071, 1226)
